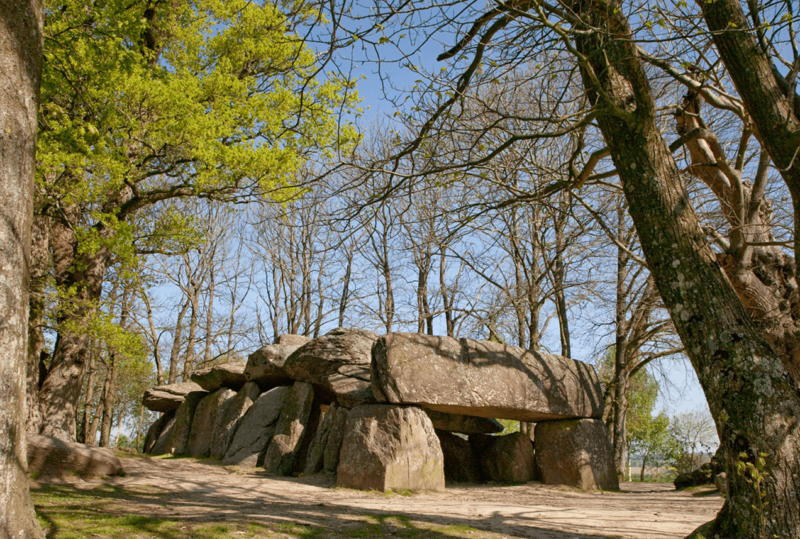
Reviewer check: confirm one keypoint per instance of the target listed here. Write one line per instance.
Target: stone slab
(256, 429)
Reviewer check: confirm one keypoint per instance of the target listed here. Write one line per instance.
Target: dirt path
(202, 491)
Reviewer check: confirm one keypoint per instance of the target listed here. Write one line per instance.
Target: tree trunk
(751, 395)
(21, 68)
(36, 341)
(109, 394)
(87, 403)
(176, 344)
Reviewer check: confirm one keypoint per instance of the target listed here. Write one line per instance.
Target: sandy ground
(203, 491)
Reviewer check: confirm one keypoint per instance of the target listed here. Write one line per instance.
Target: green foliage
(144, 102)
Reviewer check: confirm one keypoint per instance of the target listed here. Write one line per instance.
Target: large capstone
(291, 339)
(168, 397)
(576, 453)
(204, 422)
(250, 441)
(481, 378)
(389, 447)
(338, 365)
(229, 415)
(464, 424)
(289, 431)
(265, 366)
(230, 375)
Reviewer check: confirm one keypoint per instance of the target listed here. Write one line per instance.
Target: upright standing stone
(265, 366)
(576, 453)
(316, 452)
(338, 365)
(156, 429)
(204, 421)
(505, 459)
(161, 445)
(460, 463)
(289, 431)
(390, 447)
(228, 416)
(482, 378)
(255, 431)
(335, 438)
(178, 439)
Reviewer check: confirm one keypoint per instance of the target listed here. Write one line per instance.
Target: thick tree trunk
(21, 69)
(36, 341)
(753, 399)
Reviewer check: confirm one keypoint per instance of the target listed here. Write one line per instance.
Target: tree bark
(109, 392)
(87, 403)
(751, 395)
(21, 68)
(36, 302)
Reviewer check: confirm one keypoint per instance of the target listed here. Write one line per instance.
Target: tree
(21, 66)
(751, 393)
(144, 103)
(693, 433)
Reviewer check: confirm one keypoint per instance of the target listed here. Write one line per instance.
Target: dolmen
(402, 411)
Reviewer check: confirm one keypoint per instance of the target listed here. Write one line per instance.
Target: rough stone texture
(505, 459)
(335, 437)
(464, 424)
(168, 397)
(265, 366)
(230, 375)
(290, 339)
(161, 445)
(460, 463)
(204, 422)
(482, 378)
(54, 458)
(389, 447)
(315, 459)
(256, 428)
(576, 453)
(229, 415)
(155, 430)
(338, 365)
(178, 439)
(289, 431)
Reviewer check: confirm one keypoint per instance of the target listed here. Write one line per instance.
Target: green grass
(108, 512)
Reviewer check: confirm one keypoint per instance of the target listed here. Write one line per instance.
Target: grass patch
(110, 512)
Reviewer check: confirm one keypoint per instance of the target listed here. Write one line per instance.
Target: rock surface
(228, 416)
(256, 428)
(161, 445)
(178, 439)
(464, 424)
(53, 458)
(204, 421)
(230, 375)
(289, 431)
(460, 463)
(168, 397)
(265, 366)
(504, 459)
(389, 447)
(335, 437)
(155, 430)
(721, 482)
(291, 339)
(482, 378)
(576, 453)
(338, 365)
(315, 459)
